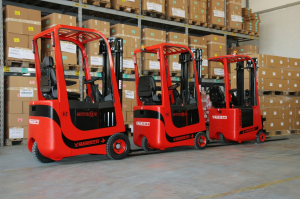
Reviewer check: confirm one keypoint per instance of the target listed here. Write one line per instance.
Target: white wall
(262, 5)
(280, 32)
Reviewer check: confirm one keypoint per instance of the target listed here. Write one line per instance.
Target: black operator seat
(147, 91)
(48, 84)
(217, 96)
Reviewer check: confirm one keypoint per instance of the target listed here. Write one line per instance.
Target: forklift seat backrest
(48, 76)
(146, 87)
(216, 96)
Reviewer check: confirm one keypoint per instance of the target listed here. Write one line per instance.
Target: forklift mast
(116, 46)
(198, 59)
(184, 59)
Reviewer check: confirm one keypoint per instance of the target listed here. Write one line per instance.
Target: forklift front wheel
(118, 146)
(261, 137)
(223, 140)
(146, 146)
(38, 155)
(200, 141)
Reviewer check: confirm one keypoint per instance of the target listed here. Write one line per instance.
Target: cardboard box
(129, 116)
(25, 107)
(127, 106)
(14, 132)
(101, 26)
(16, 40)
(154, 5)
(177, 38)
(33, 25)
(293, 63)
(29, 82)
(13, 107)
(294, 101)
(129, 4)
(265, 112)
(179, 12)
(153, 37)
(293, 85)
(272, 84)
(261, 59)
(54, 19)
(275, 113)
(67, 58)
(215, 12)
(16, 119)
(122, 30)
(150, 64)
(291, 112)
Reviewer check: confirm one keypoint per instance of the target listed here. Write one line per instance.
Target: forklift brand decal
(87, 114)
(34, 121)
(219, 117)
(249, 130)
(143, 123)
(84, 143)
(180, 138)
(183, 114)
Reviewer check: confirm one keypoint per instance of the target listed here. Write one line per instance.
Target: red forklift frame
(154, 126)
(52, 132)
(239, 119)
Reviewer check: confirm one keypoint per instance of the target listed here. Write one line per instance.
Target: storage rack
(85, 12)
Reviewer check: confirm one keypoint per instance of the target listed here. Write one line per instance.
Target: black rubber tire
(145, 145)
(110, 144)
(38, 155)
(223, 140)
(259, 137)
(198, 144)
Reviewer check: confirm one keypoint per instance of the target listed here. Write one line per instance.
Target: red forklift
(172, 118)
(235, 115)
(60, 125)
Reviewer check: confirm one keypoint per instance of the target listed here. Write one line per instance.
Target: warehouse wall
(263, 5)
(279, 32)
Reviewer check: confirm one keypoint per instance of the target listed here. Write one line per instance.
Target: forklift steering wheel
(174, 86)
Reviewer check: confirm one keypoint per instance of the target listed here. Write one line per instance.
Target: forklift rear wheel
(38, 155)
(118, 146)
(200, 141)
(261, 137)
(223, 140)
(146, 146)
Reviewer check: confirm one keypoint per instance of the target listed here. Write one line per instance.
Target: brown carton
(127, 106)
(101, 26)
(265, 112)
(275, 113)
(67, 58)
(269, 73)
(25, 107)
(29, 82)
(33, 25)
(54, 19)
(120, 30)
(153, 37)
(294, 101)
(129, 116)
(16, 40)
(293, 63)
(154, 5)
(261, 59)
(177, 38)
(16, 119)
(13, 107)
(293, 85)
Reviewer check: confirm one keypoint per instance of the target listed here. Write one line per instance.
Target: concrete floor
(248, 170)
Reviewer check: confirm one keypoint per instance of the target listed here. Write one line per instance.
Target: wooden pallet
(16, 141)
(293, 93)
(98, 69)
(83, 1)
(192, 75)
(100, 3)
(177, 19)
(194, 22)
(126, 9)
(217, 27)
(246, 32)
(128, 71)
(175, 73)
(295, 131)
(277, 133)
(286, 93)
(71, 67)
(153, 14)
(19, 63)
(230, 29)
(151, 72)
(215, 77)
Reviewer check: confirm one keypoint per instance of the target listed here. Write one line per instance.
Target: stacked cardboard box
(129, 101)
(243, 50)
(197, 11)
(92, 48)
(234, 14)
(20, 25)
(215, 12)
(128, 5)
(131, 41)
(157, 6)
(151, 37)
(69, 50)
(251, 21)
(215, 47)
(19, 91)
(176, 38)
(176, 9)
(200, 43)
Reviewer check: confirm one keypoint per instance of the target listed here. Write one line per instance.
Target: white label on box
(178, 12)
(289, 74)
(219, 71)
(281, 101)
(296, 63)
(128, 63)
(27, 54)
(129, 94)
(265, 113)
(271, 101)
(298, 112)
(282, 123)
(280, 85)
(14, 53)
(150, 6)
(96, 61)
(297, 101)
(131, 0)
(271, 124)
(297, 123)
(272, 60)
(68, 48)
(281, 62)
(16, 133)
(264, 72)
(295, 85)
(236, 18)
(275, 112)
(158, 7)
(291, 112)
(154, 65)
(297, 74)
(24, 92)
(271, 84)
(218, 13)
(176, 66)
(205, 62)
(274, 73)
